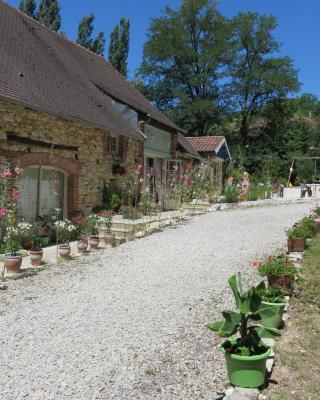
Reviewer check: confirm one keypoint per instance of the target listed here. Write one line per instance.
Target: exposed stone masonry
(87, 168)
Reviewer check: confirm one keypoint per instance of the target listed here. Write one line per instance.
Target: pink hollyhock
(18, 171)
(3, 212)
(190, 182)
(139, 169)
(15, 194)
(6, 173)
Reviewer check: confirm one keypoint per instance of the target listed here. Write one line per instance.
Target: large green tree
(257, 74)
(49, 14)
(119, 46)
(184, 61)
(28, 7)
(85, 39)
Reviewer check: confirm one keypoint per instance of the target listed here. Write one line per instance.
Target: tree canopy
(184, 61)
(85, 39)
(198, 65)
(256, 73)
(49, 14)
(28, 7)
(119, 46)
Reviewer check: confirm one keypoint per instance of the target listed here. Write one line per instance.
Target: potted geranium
(246, 355)
(296, 239)
(306, 225)
(273, 298)
(13, 259)
(65, 230)
(36, 252)
(81, 222)
(279, 271)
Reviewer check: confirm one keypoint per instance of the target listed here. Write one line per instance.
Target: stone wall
(29, 137)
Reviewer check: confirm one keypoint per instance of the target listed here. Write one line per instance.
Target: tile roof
(206, 143)
(185, 144)
(41, 69)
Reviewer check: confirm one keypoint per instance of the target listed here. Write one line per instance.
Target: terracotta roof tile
(206, 143)
(185, 144)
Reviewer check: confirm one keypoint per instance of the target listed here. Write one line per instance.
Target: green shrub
(231, 194)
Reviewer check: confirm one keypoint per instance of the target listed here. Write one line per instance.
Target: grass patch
(297, 369)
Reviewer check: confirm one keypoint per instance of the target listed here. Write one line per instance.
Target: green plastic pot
(276, 319)
(44, 240)
(246, 372)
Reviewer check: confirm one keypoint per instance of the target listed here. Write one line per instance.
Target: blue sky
(298, 30)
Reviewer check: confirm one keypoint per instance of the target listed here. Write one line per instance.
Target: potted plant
(44, 230)
(273, 298)
(65, 229)
(92, 230)
(246, 355)
(80, 222)
(26, 234)
(296, 239)
(280, 272)
(106, 220)
(13, 259)
(306, 225)
(316, 220)
(36, 253)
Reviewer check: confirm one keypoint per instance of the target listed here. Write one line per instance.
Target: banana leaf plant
(245, 321)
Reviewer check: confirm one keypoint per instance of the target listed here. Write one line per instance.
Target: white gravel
(129, 322)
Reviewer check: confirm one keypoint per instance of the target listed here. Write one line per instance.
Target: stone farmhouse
(72, 121)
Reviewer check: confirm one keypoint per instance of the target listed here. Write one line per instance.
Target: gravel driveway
(129, 322)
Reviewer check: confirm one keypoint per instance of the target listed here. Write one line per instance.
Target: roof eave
(90, 124)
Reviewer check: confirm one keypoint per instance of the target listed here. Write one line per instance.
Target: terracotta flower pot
(296, 245)
(82, 246)
(283, 282)
(109, 238)
(94, 242)
(64, 252)
(36, 257)
(12, 263)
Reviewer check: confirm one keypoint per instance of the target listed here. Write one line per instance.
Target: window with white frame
(43, 192)
(114, 145)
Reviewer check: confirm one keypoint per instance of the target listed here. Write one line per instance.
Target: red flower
(256, 263)
(78, 219)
